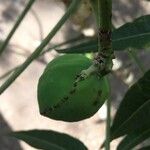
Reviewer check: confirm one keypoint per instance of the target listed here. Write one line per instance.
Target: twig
(8, 73)
(39, 49)
(20, 18)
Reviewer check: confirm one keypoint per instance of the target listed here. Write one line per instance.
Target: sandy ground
(18, 104)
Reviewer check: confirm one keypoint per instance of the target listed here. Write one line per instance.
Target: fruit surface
(60, 99)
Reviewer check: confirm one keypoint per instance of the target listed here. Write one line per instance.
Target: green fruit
(59, 98)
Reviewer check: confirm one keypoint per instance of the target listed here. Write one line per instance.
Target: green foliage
(75, 101)
(49, 140)
(133, 139)
(130, 35)
(62, 96)
(145, 148)
(131, 115)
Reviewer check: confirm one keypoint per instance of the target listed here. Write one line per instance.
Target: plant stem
(20, 18)
(8, 73)
(105, 24)
(134, 57)
(39, 49)
(41, 54)
(108, 122)
(103, 13)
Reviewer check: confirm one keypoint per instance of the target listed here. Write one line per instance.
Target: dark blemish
(63, 100)
(104, 55)
(72, 91)
(75, 84)
(81, 78)
(96, 62)
(105, 35)
(111, 15)
(95, 102)
(66, 98)
(77, 76)
(43, 113)
(56, 106)
(102, 31)
(99, 93)
(101, 61)
(50, 109)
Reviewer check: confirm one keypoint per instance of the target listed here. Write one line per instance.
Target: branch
(103, 13)
(20, 18)
(39, 49)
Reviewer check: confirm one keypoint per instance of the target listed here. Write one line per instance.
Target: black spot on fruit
(72, 91)
(96, 100)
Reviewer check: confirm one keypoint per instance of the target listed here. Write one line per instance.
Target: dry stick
(39, 49)
(20, 18)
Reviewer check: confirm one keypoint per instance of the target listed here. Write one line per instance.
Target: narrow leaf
(132, 114)
(131, 140)
(85, 46)
(135, 35)
(49, 140)
(145, 148)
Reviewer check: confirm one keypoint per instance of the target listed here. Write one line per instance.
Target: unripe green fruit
(61, 99)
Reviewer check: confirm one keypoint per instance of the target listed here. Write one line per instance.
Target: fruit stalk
(39, 49)
(103, 14)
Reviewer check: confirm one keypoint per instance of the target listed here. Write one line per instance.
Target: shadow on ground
(7, 143)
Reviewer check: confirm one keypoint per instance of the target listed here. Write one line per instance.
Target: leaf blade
(145, 148)
(131, 140)
(82, 47)
(135, 104)
(48, 139)
(124, 37)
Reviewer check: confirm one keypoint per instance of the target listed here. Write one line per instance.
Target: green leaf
(85, 46)
(49, 140)
(131, 140)
(132, 114)
(131, 35)
(145, 148)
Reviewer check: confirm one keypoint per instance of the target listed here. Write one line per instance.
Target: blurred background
(18, 104)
